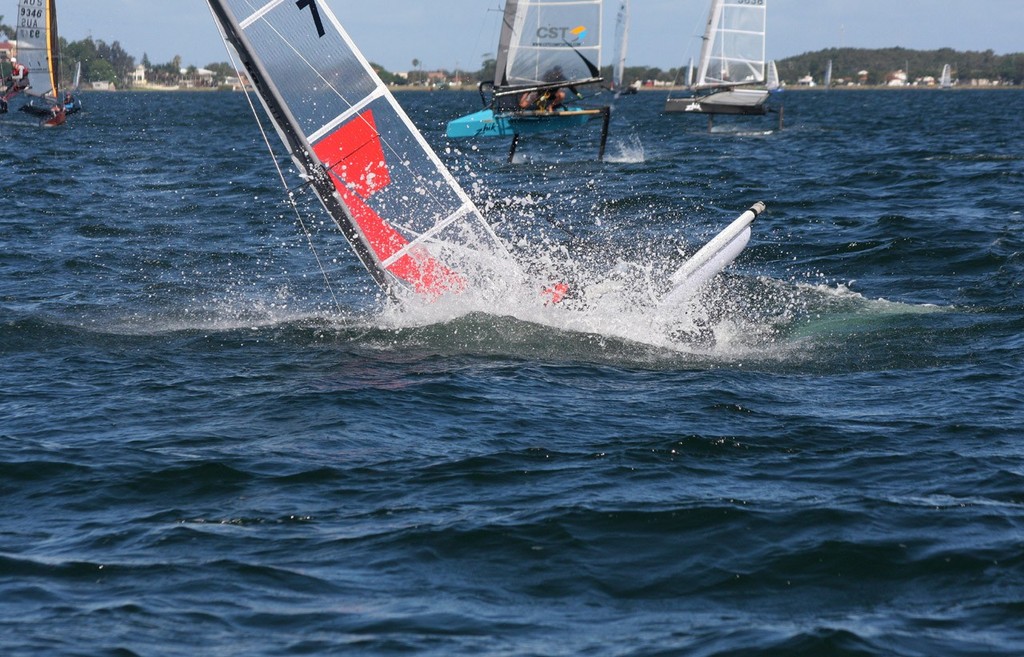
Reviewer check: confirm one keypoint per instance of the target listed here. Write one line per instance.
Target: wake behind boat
(549, 53)
(405, 216)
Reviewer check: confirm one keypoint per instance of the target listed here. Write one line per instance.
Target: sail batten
(346, 115)
(259, 13)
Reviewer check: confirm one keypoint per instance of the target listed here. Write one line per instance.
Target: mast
(622, 44)
(53, 47)
(299, 148)
(714, 16)
(508, 23)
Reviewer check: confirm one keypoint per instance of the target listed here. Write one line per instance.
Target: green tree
(103, 71)
(221, 71)
(487, 68)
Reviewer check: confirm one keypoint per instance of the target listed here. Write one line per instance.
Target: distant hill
(881, 63)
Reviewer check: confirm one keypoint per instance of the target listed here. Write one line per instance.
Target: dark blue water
(210, 446)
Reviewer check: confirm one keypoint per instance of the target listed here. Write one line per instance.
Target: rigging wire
(280, 173)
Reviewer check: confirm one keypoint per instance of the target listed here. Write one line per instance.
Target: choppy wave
(214, 440)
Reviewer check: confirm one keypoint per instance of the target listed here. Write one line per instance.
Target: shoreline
(665, 89)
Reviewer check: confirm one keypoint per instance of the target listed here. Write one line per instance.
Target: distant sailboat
(946, 80)
(621, 46)
(731, 73)
(772, 81)
(548, 51)
(828, 75)
(38, 49)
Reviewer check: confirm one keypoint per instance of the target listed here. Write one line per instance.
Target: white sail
(546, 41)
(621, 44)
(733, 51)
(772, 82)
(946, 80)
(37, 45)
(828, 74)
(407, 219)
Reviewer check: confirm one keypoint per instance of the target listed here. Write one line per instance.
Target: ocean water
(217, 439)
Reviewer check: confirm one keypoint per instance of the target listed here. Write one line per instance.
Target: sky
(458, 33)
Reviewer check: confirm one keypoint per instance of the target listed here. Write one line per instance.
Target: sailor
(16, 82)
(19, 76)
(549, 100)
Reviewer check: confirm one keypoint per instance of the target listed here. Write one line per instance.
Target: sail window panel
(738, 54)
(319, 78)
(549, 39)
(464, 246)
(394, 193)
(381, 163)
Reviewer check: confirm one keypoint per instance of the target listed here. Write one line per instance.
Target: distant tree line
(110, 63)
(847, 63)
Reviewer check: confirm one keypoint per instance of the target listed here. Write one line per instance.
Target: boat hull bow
(487, 123)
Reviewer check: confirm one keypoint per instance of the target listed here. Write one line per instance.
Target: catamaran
(38, 49)
(731, 71)
(405, 216)
(549, 53)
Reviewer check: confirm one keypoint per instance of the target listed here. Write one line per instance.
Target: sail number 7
(302, 4)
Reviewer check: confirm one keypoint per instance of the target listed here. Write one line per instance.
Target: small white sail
(621, 45)
(407, 219)
(772, 82)
(828, 74)
(946, 80)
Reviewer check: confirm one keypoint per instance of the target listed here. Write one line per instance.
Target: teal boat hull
(486, 123)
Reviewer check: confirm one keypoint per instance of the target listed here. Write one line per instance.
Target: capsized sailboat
(549, 53)
(38, 49)
(731, 71)
(406, 218)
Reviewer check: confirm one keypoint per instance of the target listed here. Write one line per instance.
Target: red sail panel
(355, 158)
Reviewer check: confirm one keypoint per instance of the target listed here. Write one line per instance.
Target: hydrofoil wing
(711, 258)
